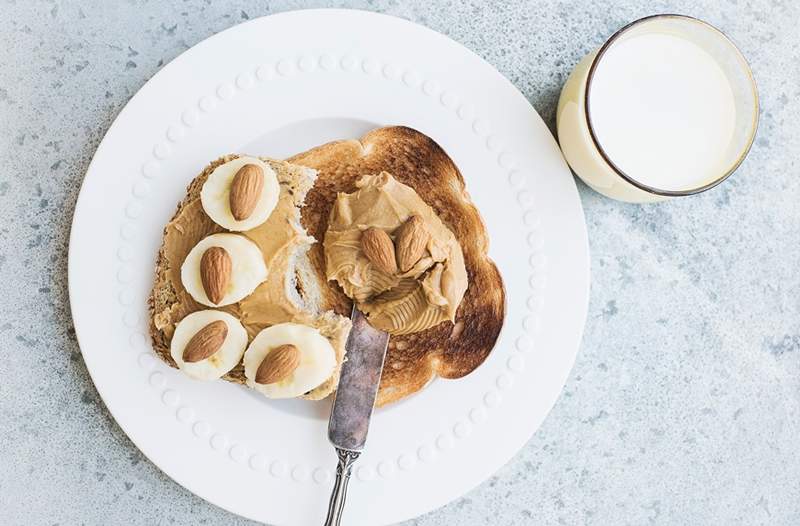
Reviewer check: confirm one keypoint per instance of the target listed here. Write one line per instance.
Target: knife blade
(353, 404)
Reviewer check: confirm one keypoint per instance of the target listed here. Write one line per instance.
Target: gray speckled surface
(683, 405)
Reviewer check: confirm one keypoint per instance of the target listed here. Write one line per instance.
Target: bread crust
(448, 350)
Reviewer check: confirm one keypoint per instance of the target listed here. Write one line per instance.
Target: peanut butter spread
(280, 238)
(398, 302)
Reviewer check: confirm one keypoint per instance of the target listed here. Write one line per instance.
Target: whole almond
(411, 239)
(278, 364)
(206, 342)
(215, 273)
(245, 190)
(379, 249)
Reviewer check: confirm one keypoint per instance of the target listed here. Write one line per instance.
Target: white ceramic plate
(279, 85)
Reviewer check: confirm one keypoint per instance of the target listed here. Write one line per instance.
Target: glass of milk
(666, 107)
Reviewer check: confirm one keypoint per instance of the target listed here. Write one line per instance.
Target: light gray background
(682, 407)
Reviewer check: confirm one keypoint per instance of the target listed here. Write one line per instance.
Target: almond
(245, 190)
(278, 364)
(379, 249)
(215, 273)
(206, 342)
(411, 239)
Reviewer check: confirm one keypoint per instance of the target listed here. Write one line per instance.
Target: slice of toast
(447, 350)
(282, 298)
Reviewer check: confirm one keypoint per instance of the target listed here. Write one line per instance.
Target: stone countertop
(683, 404)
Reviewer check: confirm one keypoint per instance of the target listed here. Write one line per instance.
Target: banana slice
(226, 357)
(317, 359)
(216, 194)
(247, 269)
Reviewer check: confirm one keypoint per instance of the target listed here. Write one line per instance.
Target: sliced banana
(219, 363)
(215, 195)
(317, 359)
(248, 269)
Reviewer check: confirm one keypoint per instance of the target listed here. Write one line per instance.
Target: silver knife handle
(339, 493)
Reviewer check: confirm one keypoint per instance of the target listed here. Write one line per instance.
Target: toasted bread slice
(284, 297)
(448, 350)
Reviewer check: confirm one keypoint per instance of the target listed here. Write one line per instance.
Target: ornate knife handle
(339, 493)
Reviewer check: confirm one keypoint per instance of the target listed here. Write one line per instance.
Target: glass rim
(631, 180)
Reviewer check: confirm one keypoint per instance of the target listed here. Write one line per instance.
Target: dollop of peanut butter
(401, 302)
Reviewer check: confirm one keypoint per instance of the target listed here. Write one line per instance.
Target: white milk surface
(663, 111)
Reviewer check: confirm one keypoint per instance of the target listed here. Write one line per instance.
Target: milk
(663, 111)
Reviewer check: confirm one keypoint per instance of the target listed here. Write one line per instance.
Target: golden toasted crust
(447, 350)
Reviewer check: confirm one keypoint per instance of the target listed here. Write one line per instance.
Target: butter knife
(353, 404)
